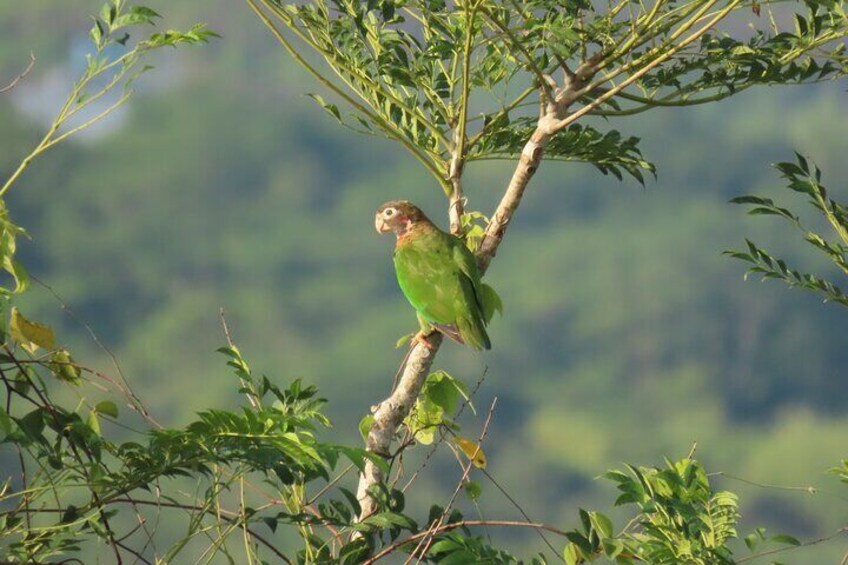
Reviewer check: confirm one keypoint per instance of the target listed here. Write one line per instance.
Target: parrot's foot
(421, 338)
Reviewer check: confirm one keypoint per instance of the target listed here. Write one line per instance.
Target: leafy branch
(804, 178)
(454, 83)
(110, 34)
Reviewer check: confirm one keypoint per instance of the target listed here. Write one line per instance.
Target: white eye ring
(389, 212)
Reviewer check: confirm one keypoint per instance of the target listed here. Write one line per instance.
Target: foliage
(804, 178)
(678, 518)
(454, 83)
(439, 399)
(441, 78)
(274, 443)
(69, 450)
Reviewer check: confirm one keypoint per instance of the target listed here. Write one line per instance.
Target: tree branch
(389, 414)
(552, 110)
(462, 524)
(20, 77)
(553, 117)
(457, 201)
(427, 541)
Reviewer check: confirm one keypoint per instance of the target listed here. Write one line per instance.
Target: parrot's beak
(380, 224)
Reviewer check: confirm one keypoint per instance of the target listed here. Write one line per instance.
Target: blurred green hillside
(626, 335)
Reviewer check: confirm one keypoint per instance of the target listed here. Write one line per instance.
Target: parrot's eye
(389, 212)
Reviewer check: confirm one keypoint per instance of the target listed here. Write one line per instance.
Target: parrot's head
(398, 216)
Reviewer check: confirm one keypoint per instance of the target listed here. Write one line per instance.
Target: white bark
(389, 414)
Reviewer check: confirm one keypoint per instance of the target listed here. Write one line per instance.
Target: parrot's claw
(421, 338)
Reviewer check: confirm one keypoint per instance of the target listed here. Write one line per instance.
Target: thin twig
(436, 445)
(251, 395)
(428, 540)
(124, 385)
(329, 485)
(838, 533)
(519, 508)
(806, 489)
(233, 520)
(20, 77)
(460, 524)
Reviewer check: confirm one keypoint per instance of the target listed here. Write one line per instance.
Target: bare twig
(436, 444)
(692, 450)
(461, 524)
(124, 386)
(428, 540)
(20, 77)
(252, 398)
(232, 519)
(518, 507)
(805, 489)
(817, 541)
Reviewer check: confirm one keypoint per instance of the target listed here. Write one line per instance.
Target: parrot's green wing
(440, 279)
(471, 321)
(487, 299)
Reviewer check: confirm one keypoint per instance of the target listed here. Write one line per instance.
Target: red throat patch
(407, 227)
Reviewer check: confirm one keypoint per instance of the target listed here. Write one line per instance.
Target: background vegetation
(220, 185)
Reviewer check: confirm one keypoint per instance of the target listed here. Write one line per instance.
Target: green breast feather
(439, 277)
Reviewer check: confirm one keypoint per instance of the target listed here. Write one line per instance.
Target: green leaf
(385, 520)
(403, 339)
(473, 490)
(571, 554)
(271, 523)
(107, 408)
(5, 423)
(491, 302)
(63, 367)
(331, 109)
(96, 33)
(365, 425)
(785, 539)
(602, 524)
(93, 422)
(32, 424)
(751, 540)
(426, 435)
(107, 13)
(18, 272)
(613, 547)
(440, 388)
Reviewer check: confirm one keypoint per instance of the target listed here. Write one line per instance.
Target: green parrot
(438, 275)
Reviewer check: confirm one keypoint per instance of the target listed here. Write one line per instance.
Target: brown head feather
(399, 216)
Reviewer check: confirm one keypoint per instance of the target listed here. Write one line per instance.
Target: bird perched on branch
(439, 276)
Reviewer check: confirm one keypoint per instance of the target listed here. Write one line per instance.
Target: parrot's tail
(473, 333)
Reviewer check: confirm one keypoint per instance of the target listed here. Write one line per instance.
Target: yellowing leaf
(472, 450)
(31, 335)
(426, 436)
